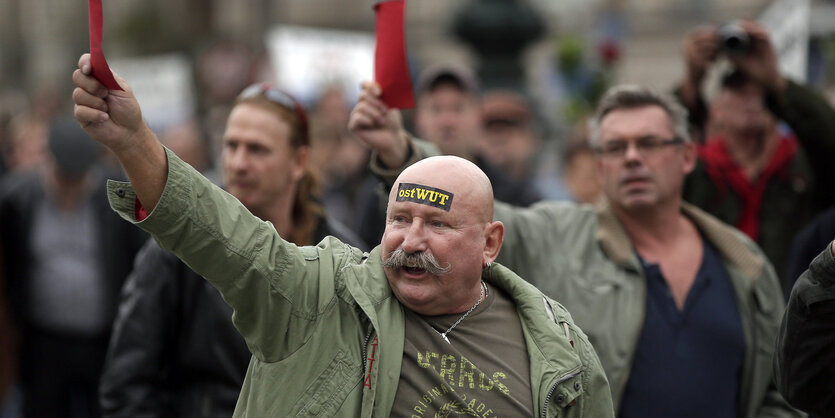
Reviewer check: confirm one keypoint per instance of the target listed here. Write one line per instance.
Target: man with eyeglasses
(681, 308)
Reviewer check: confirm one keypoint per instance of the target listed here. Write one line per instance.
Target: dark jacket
(8, 341)
(796, 193)
(807, 245)
(804, 359)
(20, 195)
(174, 349)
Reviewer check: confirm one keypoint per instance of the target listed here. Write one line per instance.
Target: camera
(733, 40)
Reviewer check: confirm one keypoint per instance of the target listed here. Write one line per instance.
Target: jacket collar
(616, 243)
(544, 339)
(367, 284)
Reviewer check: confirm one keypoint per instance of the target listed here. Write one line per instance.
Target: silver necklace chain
(478, 302)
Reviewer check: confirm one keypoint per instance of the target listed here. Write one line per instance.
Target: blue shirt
(688, 362)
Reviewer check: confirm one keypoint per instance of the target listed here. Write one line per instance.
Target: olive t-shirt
(483, 371)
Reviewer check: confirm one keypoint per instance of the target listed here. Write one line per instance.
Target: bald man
(424, 325)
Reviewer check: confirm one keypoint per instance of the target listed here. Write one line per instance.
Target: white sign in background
(307, 60)
(163, 85)
(787, 22)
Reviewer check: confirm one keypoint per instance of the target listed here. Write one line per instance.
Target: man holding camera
(750, 173)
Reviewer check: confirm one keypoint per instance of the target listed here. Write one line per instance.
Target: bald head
(440, 235)
(429, 180)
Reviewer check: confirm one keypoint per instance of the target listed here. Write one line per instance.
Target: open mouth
(413, 270)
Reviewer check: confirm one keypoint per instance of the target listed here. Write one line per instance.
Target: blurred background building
(636, 41)
(187, 59)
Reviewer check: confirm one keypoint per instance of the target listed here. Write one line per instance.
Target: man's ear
(689, 156)
(494, 234)
(301, 160)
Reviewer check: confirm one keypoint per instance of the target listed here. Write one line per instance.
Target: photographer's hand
(760, 64)
(700, 48)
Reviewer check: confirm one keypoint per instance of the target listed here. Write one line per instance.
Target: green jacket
(582, 257)
(309, 314)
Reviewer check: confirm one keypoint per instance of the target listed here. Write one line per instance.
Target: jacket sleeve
(813, 121)
(596, 382)
(804, 360)
(543, 231)
(278, 291)
(418, 150)
(807, 245)
(136, 378)
(520, 225)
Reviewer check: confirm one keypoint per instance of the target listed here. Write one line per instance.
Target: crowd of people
(273, 259)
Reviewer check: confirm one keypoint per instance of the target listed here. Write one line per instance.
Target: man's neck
(668, 238)
(752, 151)
(652, 228)
(280, 214)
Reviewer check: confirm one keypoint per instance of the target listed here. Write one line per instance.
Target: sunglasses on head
(268, 91)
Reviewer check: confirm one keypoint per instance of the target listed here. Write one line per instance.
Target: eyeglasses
(646, 146)
(268, 91)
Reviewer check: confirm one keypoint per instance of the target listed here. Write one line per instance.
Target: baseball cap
(461, 76)
(505, 107)
(72, 149)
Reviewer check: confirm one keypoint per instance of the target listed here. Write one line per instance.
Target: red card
(391, 69)
(101, 71)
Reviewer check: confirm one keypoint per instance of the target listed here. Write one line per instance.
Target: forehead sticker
(410, 192)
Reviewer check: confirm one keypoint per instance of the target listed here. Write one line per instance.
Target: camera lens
(733, 40)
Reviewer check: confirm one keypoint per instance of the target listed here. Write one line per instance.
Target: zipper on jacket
(553, 388)
(365, 348)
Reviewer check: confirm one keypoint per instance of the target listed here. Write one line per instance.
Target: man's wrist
(778, 86)
(134, 142)
(689, 91)
(694, 78)
(398, 154)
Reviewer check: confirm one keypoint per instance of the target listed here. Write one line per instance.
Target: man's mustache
(422, 260)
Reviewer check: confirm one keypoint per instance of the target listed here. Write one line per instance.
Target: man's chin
(414, 296)
(637, 201)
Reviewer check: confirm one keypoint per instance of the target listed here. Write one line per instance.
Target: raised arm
(699, 49)
(114, 119)
(272, 285)
(379, 127)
